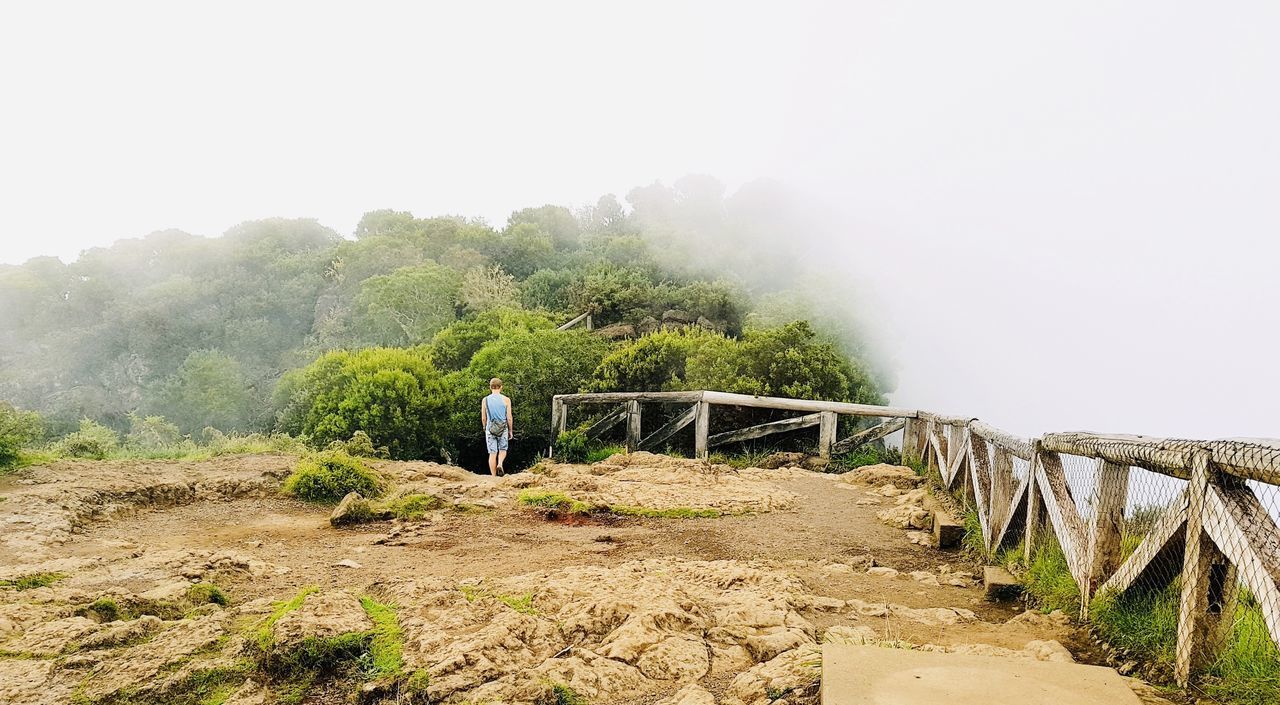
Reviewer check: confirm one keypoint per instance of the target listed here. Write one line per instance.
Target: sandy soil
(224, 522)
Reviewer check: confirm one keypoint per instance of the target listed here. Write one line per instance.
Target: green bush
(393, 395)
(328, 477)
(207, 593)
(596, 455)
(571, 446)
(653, 362)
(360, 446)
(17, 429)
(453, 347)
(152, 433)
(93, 440)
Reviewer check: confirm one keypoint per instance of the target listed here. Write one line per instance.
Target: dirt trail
(495, 603)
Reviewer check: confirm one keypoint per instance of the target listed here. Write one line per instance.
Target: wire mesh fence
(1170, 549)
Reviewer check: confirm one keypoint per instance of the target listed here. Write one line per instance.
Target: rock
(140, 667)
(882, 572)
(353, 509)
(1000, 584)
(881, 475)
(947, 532)
(647, 325)
(792, 675)
(322, 616)
(920, 538)
(617, 331)
(1056, 619)
(924, 577)
(251, 693)
(117, 633)
(1049, 650)
(692, 694)
(675, 315)
(52, 638)
(348, 563)
(708, 324)
(856, 636)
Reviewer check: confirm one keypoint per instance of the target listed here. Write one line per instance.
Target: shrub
(393, 395)
(453, 347)
(596, 455)
(571, 446)
(152, 433)
(654, 362)
(17, 429)
(360, 446)
(1049, 581)
(329, 476)
(93, 440)
(206, 593)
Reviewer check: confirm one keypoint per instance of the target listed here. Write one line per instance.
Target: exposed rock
(908, 512)
(1056, 619)
(708, 324)
(782, 459)
(353, 509)
(882, 572)
(323, 616)
(52, 638)
(647, 325)
(692, 694)
(137, 667)
(348, 563)
(924, 577)
(881, 475)
(617, 331)
(675, 315)
(794, 675)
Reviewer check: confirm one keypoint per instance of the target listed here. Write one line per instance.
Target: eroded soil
(496, 602)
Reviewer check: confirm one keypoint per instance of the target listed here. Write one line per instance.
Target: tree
(17, 429)
(556, 221)
(654, 362)
(208, 390)
(409, 305)
(393, 395)
(485, 288)
(453, 347)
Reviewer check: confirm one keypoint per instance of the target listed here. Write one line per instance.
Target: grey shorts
(495, 443)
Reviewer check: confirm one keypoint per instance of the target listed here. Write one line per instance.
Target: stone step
(873, 675)
(1000, 584)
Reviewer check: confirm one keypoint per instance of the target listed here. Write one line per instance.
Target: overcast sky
(1062, 217)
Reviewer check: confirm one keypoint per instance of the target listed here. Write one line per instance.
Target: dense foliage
(283, 325)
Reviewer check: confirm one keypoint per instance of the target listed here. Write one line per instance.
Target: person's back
(496, 417)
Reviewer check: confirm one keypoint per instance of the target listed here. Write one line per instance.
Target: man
(495, 415)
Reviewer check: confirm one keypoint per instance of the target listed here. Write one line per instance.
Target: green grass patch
(546, 499)
(596, 455)
(414, 506)
(106, 609)
(32, 581)
(1049, 582)
(328, 476)
(520, 603)
(262, 637)
(564, 695)
(869, 454)
(206, 593)
(384, 659)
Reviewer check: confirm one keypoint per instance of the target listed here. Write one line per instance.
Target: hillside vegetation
(285, 326)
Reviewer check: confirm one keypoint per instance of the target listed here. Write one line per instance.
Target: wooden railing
(1215, 534)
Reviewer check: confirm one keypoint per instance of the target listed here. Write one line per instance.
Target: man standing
(495, 414)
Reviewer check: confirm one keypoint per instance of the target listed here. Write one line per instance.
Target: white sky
(1065, 216)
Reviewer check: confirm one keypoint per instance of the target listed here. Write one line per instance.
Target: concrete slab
(873, 675)
(947, 532)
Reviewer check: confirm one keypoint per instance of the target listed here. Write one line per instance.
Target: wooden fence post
(633, 425)
(702, 426)
(1197, 632)
(1106, 527)
(1034, 504)
(558, 413)
(910, 449)
(826, 433)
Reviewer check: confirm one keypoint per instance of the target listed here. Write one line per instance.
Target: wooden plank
(944, 420)
(956, 452)
(702, 428)
(1106, 525)
(1015, 518)
(1035, 507)
(1160, 547)
(910, 447)
(632, 412)
(874, 433)
(1002, 483)
(1193, 609)
(1160, 455)
(620, 397)
(1051, 481)
(578, 319)
(669, 429)
(826, 432)
(980, 481)
(610, 420)
(1238, 523)
(1017, 445)
(764, 429)
(727, 399)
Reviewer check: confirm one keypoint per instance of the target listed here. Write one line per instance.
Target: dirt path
(261, 547)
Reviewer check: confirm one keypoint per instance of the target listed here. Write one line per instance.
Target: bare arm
(484, 415)
(511, 420)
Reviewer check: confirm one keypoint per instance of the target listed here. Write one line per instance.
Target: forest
(285, 326)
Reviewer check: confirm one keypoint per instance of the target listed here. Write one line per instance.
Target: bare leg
(502, 456)
(493, 463)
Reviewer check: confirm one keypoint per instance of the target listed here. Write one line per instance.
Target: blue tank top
(496, 406)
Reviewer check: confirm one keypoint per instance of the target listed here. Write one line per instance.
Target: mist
(1050, 218)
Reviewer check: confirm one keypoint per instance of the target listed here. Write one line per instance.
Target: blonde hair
(495, 383)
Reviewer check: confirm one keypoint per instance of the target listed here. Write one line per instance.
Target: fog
(1051, 218)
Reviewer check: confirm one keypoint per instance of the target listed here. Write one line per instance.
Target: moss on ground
(561, 502)
(414, 506)
(32, 581)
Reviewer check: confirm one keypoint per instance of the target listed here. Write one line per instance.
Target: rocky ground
(197, 582)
